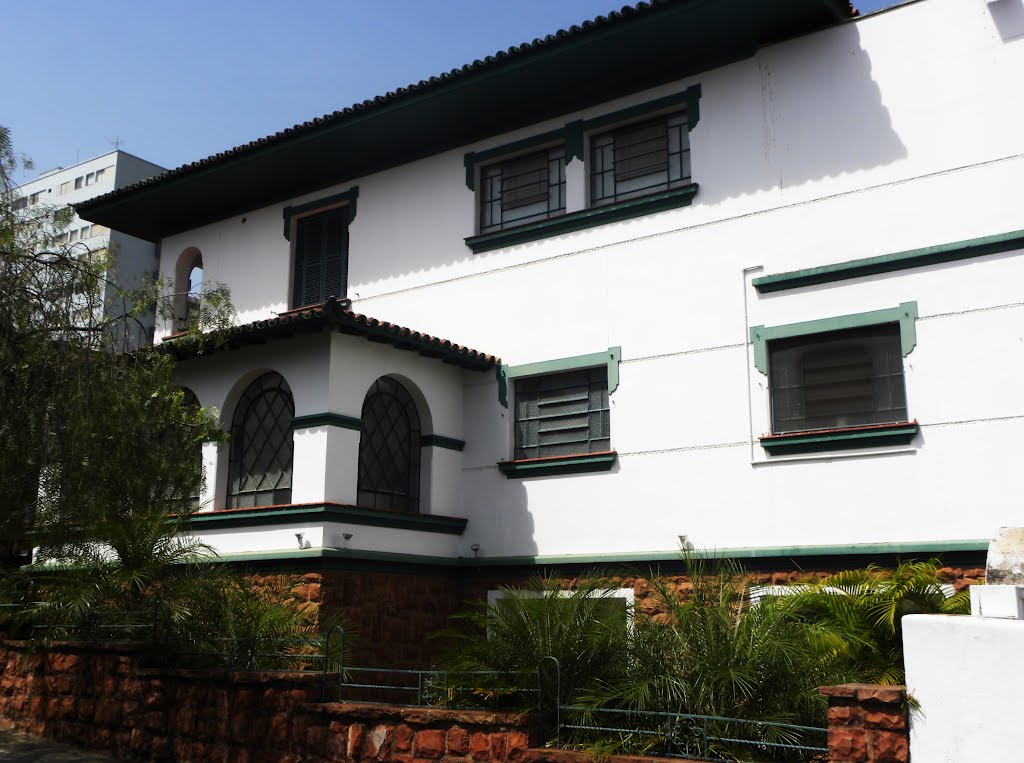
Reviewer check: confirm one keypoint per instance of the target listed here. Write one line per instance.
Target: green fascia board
(545, 467)
(752, 552)
(348, 197)
(583, 219)
(440, 441)
(905, 315)
(840, 440)
(572, 133)
(327, 512)
(610, 358)
(327, 420)
(889, 263)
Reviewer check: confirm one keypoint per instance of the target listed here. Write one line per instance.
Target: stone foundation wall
(867, 724)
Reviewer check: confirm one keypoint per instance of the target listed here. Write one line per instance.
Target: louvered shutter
(321, 257)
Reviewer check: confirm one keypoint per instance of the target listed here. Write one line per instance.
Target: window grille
(522, 190)
(837, 379)
(640, 159)
(321, 257)
(260, 468)
(389, 449)
(562, 414)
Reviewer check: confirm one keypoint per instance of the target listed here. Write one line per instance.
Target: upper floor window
(65, 187)
(389, 449)
(321, 257)
(522, 190)
(78, 181)
(640, 159)
(260, 464)
(837, 379)
(563, 414)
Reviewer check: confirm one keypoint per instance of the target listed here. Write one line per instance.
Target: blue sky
(179, 81)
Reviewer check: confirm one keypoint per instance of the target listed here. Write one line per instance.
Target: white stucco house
(744, 272)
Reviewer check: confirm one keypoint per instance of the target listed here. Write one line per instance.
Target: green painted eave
(625, 52)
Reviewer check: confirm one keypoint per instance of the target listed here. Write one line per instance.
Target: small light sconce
(299, 537)
(346, 537)
(475, 548)
(684, 543)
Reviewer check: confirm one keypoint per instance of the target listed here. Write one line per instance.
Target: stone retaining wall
(98, 696)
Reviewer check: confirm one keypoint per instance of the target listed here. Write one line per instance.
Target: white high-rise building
(67, 186)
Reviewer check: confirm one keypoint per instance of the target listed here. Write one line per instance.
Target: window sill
(840, 439)
(292, 513)
(573, 464)
(585, 218)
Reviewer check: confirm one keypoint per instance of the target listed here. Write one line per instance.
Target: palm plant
(857, 615)
(584, 629)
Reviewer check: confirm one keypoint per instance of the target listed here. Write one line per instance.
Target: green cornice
(610, 358)
(440, 441)
(583, 219)
(335, 558)
(327, 420)
(571, 134)
(841, 439)
(888, 263)
(327, 512)
(546, 467)
(905, 315)
(347, 197)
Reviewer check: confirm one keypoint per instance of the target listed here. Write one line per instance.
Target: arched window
(190, 400)
(260, 464)
(389, 449)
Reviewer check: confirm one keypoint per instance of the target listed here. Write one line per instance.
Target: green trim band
(440, 441)
(610, 357)
(889, 263)
(905, 315)
(769, 552)
(327, 512)
(749, 552)
(348, 197)
(841, 439)
(544, 467)
(583, 219)
(327, 420)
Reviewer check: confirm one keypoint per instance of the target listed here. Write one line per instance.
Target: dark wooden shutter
(321, 257)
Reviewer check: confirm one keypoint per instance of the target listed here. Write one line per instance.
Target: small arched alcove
(188, 287)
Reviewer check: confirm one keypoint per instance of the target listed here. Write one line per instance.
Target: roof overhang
(610, 57)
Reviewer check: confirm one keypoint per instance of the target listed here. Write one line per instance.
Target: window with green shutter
(563, 414)
(321, 257)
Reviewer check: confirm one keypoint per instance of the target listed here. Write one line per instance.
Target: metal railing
(417, 687)
(689, 735)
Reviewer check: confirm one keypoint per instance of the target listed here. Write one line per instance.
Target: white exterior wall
(966, 674)
(818, 150)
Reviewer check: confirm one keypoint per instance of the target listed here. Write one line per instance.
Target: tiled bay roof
(335, 315)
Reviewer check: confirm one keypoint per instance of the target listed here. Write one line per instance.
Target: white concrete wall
(818, 150)
(966, 674)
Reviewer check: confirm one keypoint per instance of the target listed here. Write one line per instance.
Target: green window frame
(567, 398)
(320, 249)
(573, 136)
(843, 329)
